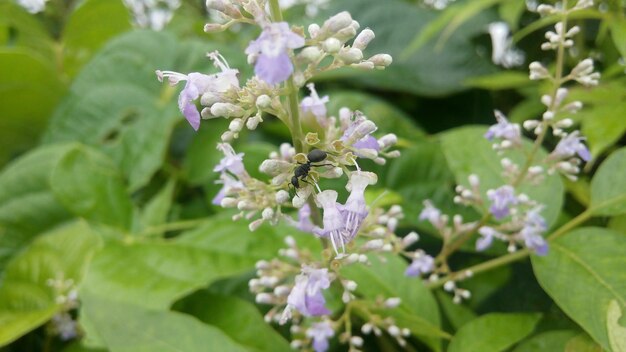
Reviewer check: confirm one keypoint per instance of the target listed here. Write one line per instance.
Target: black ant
(302, 171)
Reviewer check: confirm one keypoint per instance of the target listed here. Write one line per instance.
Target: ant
(302, 171)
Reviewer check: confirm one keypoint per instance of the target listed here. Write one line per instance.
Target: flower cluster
(153, 14)
(66, 297)
(509, 215)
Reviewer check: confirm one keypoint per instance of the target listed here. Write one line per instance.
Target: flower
(501, 199)
(422, 264)
(270, 51)
(570, 145)
(231, 162)
(32, 6)
(65, 326)
(304, 222)
(486, 237)
(333, 220)
(504, 129)
(199, 84)
(355, 210)
(320, 333)
(314, 104)
(153, 14)
(534, 226)
(430, 213)
(503, 53)
(306, 295)
(358, 136)
(229, 183)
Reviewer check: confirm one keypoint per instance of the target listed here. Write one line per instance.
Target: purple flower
(231, 162)
(570, 145)
(270, 50)
(199, 84)
(229, 183)
(504, 130)
(420, 265)
(304, 222)
(501, 200)
(306, 296)
(65, 326)
(315, 105)
(320, 333)
(355, 210)
(430, 213)
(534, 226)
(334, 223)
(486, 238)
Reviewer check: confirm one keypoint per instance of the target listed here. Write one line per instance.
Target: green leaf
(237, 318)
(618, 33)
(582, 343)
(430, 71)
(92, 24)
(155, 273)
(24, 31)
(26, 300)
(201, 156)
(547, 341)
(130, 328)
(608, 186)
(617, 332)
(499, 81)
(483, 161)
(29, 91)
(587, 261)
(156, 211)
(418, 310)
(114, 104)
(88, 184)
(493, 332)
(27, 205)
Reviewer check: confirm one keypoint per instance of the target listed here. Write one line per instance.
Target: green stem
(173, 226)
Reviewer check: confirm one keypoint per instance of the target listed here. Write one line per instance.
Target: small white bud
(362, 258)
(228, 202)
(267, 214)
(366, 328)
(350, 56)
(381, 60)
(363, 39)
(387, 247)
(253, 226)
(406, 332)
(356, 341)
(394, 330)
(331, 45)
(338, 22)
(474, 181)
(530, 124)
(263, 101)
(311, 54)
(264, 298)
(350, 285)
(449, 286)
(314, 30)
(282, 196)
(226, 110)
(253, 122)
(213, 27)
(393, 302)
(236, 125)
(374, 244)
(410, 239)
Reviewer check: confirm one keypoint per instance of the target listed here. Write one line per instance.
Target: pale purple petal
(320, 333)
(501, 200)
(422, 265)
(273, 70)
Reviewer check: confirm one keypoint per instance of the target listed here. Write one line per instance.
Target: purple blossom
(420, 265)
(570, 145)
(504, 129)
(430, 213)
(486, 238)
(534, 226)
(199, 84)
(231, 162)
(315, 105)
(228, 184)
(320, 333)
(270, 50)
(355, 210)
(65, 326)
(306, 296)
(304, 222)
(501, 200)
(358, 134)
(333, 220)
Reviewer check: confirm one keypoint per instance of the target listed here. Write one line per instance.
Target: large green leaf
(87, 183)
(237, 318)
(583, 273)
(608, 186)
(20, 29)
(548, 341)
(27, 205)
(483, 161)
(430, 71)
(26, 300)
(418, 310)
(493, 332)
(129, 328)
(92, 24)
(29, 90)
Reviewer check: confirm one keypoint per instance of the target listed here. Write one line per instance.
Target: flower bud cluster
(66, 297)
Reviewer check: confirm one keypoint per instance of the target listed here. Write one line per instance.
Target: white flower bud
(393, 154)
(449, 286)
(530, 124)
(274, 167)
(331, 45)
(267, 214)
(314, 30)
(262, 265)
(356, 341)
(374, 244)
(338, 22)
(311, 54)
(410, 239)
(392, 302)
(282, 196)
(228, 202)
(236, 125)
(364, 65)
(387, 141)
(282, 291)
(350, 56)
(382, 60)
(253, 226)
(352, 258)
(366, 328)
(264, 298)
(263, 101)
(394, 330)
(226, 110)
(363, 39)
(350, 285)
(362, 258)
(253, 122)
(213, 27)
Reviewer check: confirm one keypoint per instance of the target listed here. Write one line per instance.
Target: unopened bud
(331, 45)
(350, 56)
(394, 330)
(350, 285)
(311, 54)
(374, 244)
(282, 196)
(264, 298)
(213, 27)
(226, 110)
(253, 226)
(263, 101)
(356, 341)
(236, 125)
(363, 39)
(392, 302)
(410, 239)
(338, 22)
(253, 122)
(382, 60)
(314, 30)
